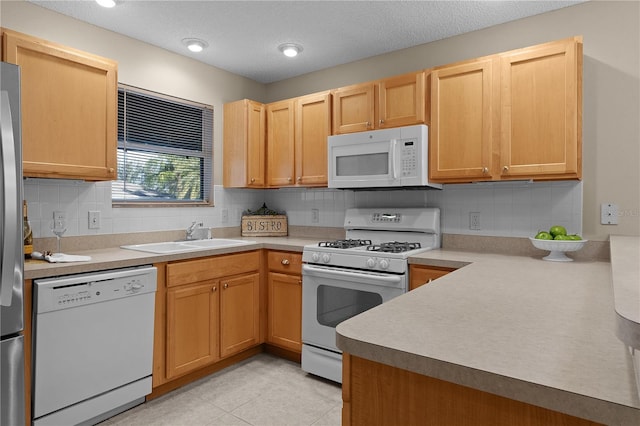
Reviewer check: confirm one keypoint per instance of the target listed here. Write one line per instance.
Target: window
(164, 150)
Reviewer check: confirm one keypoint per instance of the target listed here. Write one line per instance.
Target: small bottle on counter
(27, 232)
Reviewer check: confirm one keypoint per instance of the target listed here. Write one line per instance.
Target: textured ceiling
(244, 36)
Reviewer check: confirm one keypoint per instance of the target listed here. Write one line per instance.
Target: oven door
(331, 295)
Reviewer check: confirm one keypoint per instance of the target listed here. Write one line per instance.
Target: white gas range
(343, 278)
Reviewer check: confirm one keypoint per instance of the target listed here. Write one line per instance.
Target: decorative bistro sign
(264, 222)
(264, 225)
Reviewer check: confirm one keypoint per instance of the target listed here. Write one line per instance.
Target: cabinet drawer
(193, 271)
(285, 261)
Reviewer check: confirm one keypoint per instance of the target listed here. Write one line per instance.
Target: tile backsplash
(516, 209)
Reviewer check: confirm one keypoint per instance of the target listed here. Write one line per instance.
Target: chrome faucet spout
(192, 228)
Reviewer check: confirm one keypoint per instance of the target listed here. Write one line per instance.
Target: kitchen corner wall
(516, 209)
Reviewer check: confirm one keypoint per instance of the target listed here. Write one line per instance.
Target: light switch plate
(609, 214)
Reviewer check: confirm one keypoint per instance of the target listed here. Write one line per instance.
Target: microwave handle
(394, 168)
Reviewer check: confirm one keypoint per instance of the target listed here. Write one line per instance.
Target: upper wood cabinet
(297, 140)
(69, 109)
(463, 100)
(516, 115)
(244, 149)
(541, 111)
(391, 102)
(280, 143)
(312, 128)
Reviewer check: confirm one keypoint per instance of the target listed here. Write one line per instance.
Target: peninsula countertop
(539, 332)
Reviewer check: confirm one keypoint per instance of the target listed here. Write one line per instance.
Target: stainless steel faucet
(192, 228)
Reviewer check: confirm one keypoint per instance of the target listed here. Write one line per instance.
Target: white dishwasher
(92, 345)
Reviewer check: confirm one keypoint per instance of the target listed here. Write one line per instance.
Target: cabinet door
(285, 311)
(192, 327)
(541, 111)
(69, 109)
(280, 143)
(256, 147)
(462, 120)
(244, 149)
(312, 127)
(353, 108)
(239, 313)
(421, 275)
(401, 100)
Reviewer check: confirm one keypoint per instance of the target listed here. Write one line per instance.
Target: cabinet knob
(214, 289)
(285, 261)
(111, 170)
(300, 282)
(289, 179)
(485, 170)
(368, 124)
(225, 286)
(381, 121)
(505, 169)
(253, 180)
(299, 179)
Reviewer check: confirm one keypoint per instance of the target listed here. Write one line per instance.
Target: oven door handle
(335, 273)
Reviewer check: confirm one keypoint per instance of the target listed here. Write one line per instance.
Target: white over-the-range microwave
(389, 158)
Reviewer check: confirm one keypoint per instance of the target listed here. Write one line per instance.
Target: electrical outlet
(94, 219)
(315, 215)
(59, 216)
(609, 214)
(224, 215)
(474, 221)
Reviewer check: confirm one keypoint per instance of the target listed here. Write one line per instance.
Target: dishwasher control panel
(78, 290)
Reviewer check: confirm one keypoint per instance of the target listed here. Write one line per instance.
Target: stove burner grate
(394, 247)
(344, 244)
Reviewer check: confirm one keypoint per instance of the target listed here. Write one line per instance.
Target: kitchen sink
(169, 247)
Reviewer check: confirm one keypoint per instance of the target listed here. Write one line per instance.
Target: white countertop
(527, 329)
(625, 271)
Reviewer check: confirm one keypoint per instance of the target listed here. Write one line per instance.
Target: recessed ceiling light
(290, 49)
(195, 44)
(106, 3)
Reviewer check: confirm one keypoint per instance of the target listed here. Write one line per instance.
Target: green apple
(556, 230)
(574, 237)
(562, 237)
(543, 235)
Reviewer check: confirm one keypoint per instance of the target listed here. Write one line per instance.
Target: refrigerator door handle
(10, 186)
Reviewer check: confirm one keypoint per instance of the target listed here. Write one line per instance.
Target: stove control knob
(371, 263)
(315, 257)
(384, 263)
(326, 258)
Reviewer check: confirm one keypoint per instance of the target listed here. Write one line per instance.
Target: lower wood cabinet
(239, 313)
(284, 283)
(212, 311)
(378, 394)
(421, 275)
(192, 327)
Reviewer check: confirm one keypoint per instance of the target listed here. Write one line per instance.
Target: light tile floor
(262, 391)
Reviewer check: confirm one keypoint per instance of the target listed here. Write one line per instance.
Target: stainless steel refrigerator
(12, 408)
